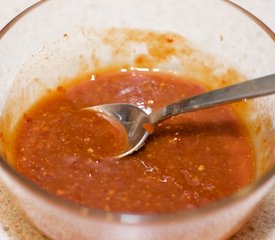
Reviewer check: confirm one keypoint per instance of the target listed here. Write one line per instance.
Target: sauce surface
(189, 161)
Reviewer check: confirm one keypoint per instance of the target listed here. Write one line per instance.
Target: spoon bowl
(132, 118)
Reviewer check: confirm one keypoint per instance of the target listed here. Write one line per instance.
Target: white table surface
(13, 224)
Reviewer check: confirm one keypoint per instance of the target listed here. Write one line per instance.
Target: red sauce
(150, 128)
(189, 160)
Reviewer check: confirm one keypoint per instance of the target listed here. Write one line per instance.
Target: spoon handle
(250, 89)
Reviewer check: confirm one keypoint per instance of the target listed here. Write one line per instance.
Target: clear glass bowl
(55, 40)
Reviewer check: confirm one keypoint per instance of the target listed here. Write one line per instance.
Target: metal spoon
(133, 118)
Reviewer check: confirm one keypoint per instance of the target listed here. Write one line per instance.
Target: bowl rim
(136, 218)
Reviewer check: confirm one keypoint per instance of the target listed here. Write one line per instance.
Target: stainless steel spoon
(133, 118)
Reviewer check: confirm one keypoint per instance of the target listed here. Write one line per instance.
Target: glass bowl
(53, 41)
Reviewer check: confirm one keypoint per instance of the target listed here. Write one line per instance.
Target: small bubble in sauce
(60, 192)
(150, 101)
(90, 150)
(201, 167)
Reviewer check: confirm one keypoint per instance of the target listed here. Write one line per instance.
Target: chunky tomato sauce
(189, 161)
